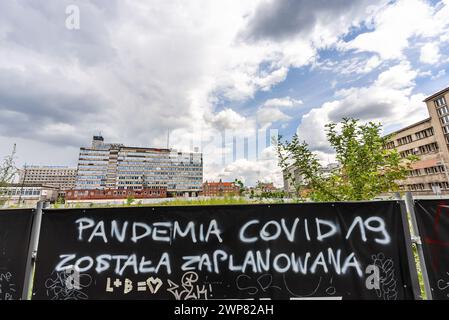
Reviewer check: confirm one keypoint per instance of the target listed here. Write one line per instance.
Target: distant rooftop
(30, 185)
(436, 94)
(220, 183)
(34, 166)
(410, 126)
(98, 143)
(98, 138)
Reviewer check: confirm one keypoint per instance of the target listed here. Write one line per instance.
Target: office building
(118, 167)
(428, 139)
(60, 177)
(293, 178)
(27, 195)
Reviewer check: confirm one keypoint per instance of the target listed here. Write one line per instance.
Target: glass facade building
(115, 166)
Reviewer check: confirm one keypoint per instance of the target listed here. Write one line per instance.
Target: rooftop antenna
(168, 139)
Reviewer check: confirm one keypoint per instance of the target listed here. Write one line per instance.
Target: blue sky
(135, 70)
(315, 86)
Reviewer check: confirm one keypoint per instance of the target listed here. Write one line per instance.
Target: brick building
(116, 194)
(220, 189)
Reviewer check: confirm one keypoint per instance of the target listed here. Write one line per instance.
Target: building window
(415, 173)
(405, 140)
(390, 145)
(435, 170)
(441, 185)
(428, 148)
(444, 120)
(442, 111)
(425, 133)
(416, 187)
(439, 102)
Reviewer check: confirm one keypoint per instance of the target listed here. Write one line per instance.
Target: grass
(174, 202)
(219, 201)
(418, 269)
(205, 202)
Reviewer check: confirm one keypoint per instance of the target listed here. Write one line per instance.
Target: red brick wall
(115, 194)
(215, 189)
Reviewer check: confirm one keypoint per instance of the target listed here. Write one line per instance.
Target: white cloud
(265, 169)
(272, 78)
(131, 88)
(430, 53)
(440, 74)
(400, 76)
(386, 100)
(228, 119)
(371, 64)
(158, 66)
(270, 111)
(356, 65)
(423, 74)
(137, 69)
(394, 25)
(285, 102)
(268, 115)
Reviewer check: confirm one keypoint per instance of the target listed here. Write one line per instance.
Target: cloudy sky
(211, 73)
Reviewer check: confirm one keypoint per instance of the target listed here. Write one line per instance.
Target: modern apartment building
(292, 177)
(60, 177)
(429, 140)
(115, 166)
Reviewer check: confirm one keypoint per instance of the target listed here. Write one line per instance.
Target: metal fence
(412, 231)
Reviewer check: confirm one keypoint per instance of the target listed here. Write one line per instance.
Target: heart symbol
(154, 284)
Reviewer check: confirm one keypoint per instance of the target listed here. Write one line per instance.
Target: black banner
(15, 232)
(291, 251)
(433, 224)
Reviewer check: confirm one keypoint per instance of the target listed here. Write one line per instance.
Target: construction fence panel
(15, 233)
(351, 250)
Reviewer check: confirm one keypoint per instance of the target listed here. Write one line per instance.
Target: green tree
(60, 201)
(241, 186)
(8, 173)
(366, 168)
(130, 200)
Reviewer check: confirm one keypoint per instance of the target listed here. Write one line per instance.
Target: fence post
(32, 249)
(409, 248)
(416, 239)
